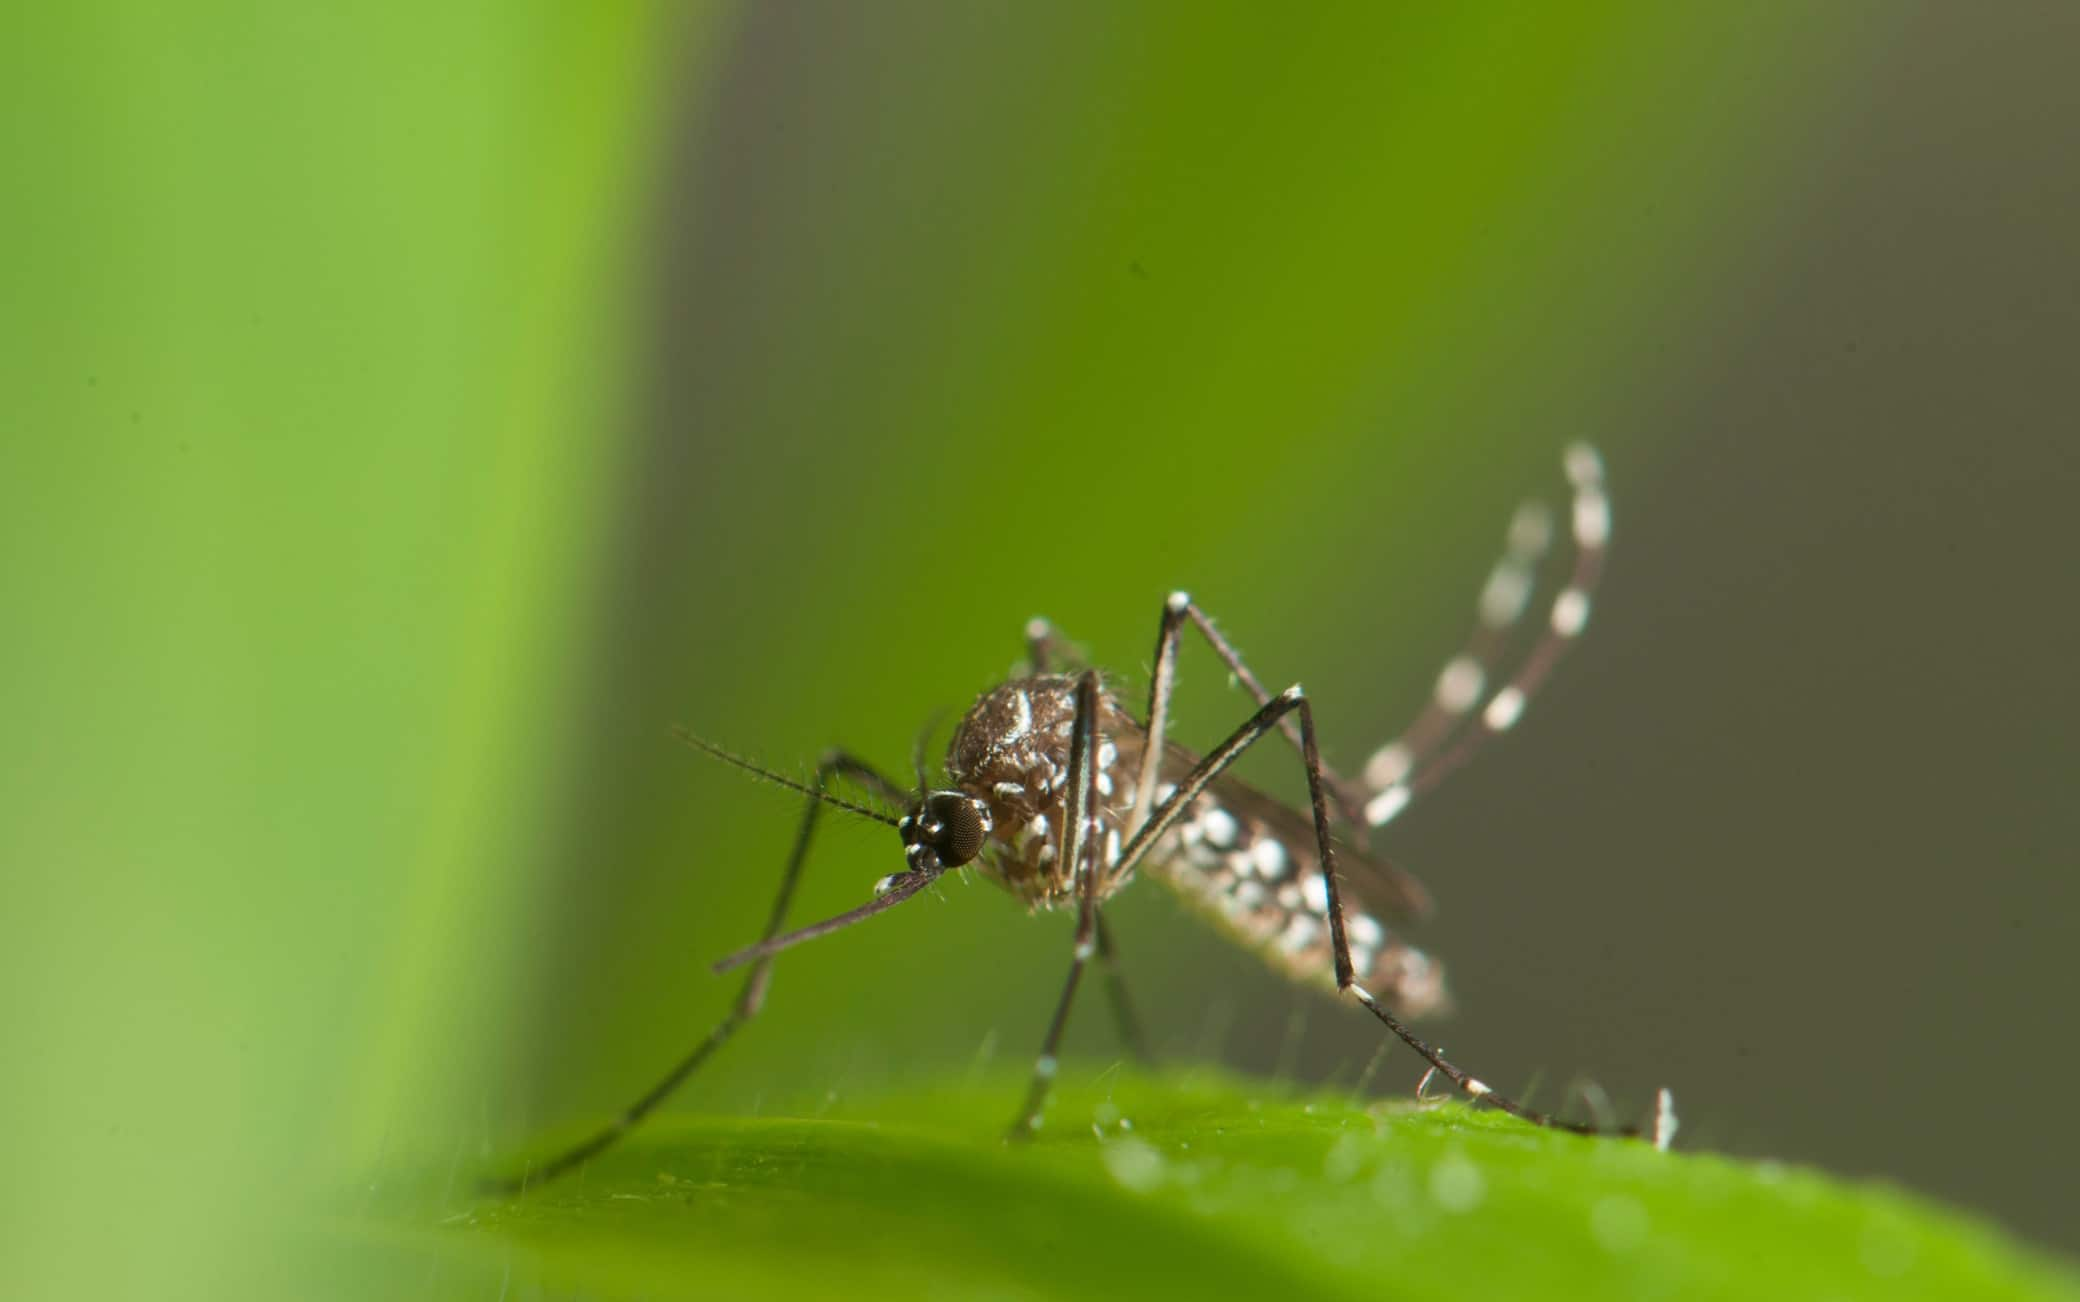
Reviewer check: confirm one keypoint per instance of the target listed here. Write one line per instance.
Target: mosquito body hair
(1059, 832)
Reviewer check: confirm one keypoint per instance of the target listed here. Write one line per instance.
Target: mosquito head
(945, 830)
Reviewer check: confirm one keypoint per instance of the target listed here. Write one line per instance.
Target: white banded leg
(749, 1000)
(1464, 679)
(1081, 842)
(1396, 886)
(1046, 647)
(1178, 609)
(1168, 811)
(1450, 730)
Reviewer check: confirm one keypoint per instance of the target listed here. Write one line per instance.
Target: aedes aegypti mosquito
(1059, 795)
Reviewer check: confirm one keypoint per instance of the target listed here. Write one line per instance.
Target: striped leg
(1168, 811)
(1177, 611)
(749, 1000)
(1443, 737)
(1046, 648)
(1081, 846)
(1393, 884)
(1464, 678)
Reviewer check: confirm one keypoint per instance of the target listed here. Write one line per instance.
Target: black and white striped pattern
(1462, 714)
(1059, 795)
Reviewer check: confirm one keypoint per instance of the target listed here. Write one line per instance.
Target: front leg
(750, 999)
(1081, 847)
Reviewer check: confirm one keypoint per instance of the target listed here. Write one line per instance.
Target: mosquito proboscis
(1059, 794)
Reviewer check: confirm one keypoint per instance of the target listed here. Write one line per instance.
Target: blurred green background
(413, 412)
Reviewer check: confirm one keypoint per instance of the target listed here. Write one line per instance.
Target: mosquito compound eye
(958, 827)
(995, 745)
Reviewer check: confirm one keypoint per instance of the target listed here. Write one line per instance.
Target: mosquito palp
(1060, 795)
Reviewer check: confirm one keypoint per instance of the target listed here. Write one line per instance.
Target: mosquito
(1057, 793)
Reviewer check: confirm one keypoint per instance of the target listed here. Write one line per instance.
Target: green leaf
(1208, 1186)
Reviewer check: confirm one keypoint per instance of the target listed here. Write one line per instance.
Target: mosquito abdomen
(1269, 894)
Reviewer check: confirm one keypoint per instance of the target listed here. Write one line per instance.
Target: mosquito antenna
(826, 797)
(892, 891)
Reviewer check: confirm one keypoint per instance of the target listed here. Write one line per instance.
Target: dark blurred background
(445, 434)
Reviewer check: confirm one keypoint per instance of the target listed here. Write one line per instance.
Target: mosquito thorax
(945, 830)
(1038, 754)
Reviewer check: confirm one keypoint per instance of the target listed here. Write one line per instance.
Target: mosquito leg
(1167, 811)
(749, 999)
(1162, 680)
(1350, 796)
(1179, 609)
(1663, 1125)
(1464, 679)
(1123, 1017)
(1081, 847)
(1047, 651)
(1292, 701)
(1041, 640)
(1045, 1066)
(1412, 765)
